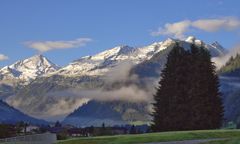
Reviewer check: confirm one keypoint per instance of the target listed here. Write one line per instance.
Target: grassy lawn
(157, 137)
(230, 141)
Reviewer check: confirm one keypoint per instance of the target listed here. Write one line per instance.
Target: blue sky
(75, 28)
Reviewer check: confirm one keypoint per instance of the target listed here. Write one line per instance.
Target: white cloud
(175, 29)
(131, 93)
(121, 73)
(43, 46)
(178, 29)
(211, 25)
(3, 57)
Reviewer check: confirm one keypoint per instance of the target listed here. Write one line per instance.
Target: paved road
(186, 141)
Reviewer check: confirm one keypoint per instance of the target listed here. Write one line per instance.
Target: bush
(62, 136)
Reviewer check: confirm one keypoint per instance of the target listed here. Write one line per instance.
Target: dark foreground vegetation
(188, 96)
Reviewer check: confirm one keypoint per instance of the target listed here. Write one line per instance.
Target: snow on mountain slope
(215, 48)
(26, 70)
(103, 62)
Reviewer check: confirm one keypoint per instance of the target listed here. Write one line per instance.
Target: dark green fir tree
(187, 97)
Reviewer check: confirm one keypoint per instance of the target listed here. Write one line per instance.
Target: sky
(65, 30)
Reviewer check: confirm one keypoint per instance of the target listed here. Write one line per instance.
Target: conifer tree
(207, 98)
(188, 95)
(169, 109)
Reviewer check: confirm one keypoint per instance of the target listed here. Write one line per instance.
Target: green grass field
(232, 135)
(229, 141)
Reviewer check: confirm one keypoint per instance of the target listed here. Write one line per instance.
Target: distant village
(66, 131)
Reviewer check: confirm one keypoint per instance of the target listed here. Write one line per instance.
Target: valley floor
(224, 136)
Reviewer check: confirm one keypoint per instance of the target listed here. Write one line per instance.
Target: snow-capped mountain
(24, 71)
(103, 62)
(48, 96)
(215, 48)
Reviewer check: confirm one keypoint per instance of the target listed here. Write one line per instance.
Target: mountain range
(120, 80)
(24, 71)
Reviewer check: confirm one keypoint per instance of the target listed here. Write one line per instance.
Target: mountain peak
(38, 56)
(217, 45)
(190, 39)
(28, 69)
(120, 49)
(125, 49)
(114, 52)
(40, 59)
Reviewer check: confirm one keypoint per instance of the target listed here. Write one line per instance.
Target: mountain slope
(110, 113)
(36, 99)
(232, 66)
(11, 115)
(230, 88)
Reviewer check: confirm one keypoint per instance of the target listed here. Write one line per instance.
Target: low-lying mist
(221, 61)
(119, 85)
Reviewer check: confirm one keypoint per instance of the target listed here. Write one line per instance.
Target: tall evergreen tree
(187, 97)
(167, 110)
